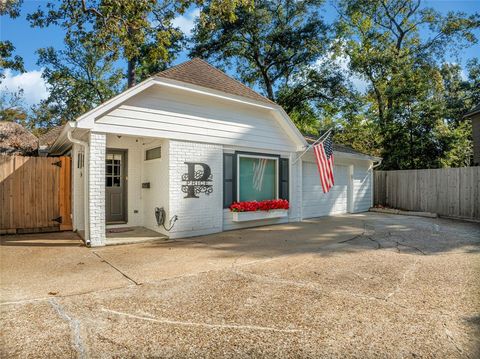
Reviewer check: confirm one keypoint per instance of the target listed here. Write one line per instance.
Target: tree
(268, 45)
(383, 43)
(459, 97)
(79, 78)
(316, 96)
(140, 32)
(12, 107)
(7, 58)
(131, 30)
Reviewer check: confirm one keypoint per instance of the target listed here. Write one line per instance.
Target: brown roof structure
(16, 140)
(201, 73)
(473, 111)
(48, 138)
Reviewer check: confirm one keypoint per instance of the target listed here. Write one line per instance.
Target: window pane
(116, 181)
(228, 194)
(116, 170)
(258, 179)
(108, 169)
(228, 167)
(108, 181)
(153, 153)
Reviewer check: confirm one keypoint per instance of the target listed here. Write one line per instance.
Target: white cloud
(34, 87)
(186, 21)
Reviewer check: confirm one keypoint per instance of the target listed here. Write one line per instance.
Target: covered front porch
(120, 188)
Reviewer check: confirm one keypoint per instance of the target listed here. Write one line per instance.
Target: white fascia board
(59, 145)
(288, 125)
(87, 120)
(211, 92)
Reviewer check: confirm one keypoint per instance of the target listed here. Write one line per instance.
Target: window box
(259, 215)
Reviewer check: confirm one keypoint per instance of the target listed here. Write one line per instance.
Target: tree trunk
(270, 94)
(131, 73)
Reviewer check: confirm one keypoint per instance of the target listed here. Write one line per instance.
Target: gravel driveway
(367, 285)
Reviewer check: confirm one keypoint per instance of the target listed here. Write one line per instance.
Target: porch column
(96, 193)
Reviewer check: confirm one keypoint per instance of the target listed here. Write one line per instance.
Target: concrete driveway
(367, 285)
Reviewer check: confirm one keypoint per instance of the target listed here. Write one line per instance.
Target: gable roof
(48, 138)
(473, 111)
(201, 73)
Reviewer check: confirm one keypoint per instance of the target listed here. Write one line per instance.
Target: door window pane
(113, 172)
(257, 179)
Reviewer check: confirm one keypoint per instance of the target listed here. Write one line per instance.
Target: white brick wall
(196, 216)
(156, 173)
(96, 195)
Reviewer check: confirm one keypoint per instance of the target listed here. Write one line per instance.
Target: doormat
(120, 230)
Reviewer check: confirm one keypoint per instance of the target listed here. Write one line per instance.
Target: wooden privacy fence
(35, 194)
(452, 192)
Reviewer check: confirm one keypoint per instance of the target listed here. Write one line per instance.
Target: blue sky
(27, 40)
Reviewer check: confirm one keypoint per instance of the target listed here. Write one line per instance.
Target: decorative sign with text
(197, 180)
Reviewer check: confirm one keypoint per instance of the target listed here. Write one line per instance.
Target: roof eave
(61, 143)
(471, 114)
(355, 156)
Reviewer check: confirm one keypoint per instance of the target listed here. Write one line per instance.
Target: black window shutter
(229, 179)
(284, 178)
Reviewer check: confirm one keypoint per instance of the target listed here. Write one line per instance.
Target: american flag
(324, 157)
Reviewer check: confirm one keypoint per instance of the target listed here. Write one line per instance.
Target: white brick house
(186, 141)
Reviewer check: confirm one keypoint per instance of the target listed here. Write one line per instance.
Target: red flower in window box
(267, 205)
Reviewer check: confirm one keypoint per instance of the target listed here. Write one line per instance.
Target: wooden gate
(35, 194)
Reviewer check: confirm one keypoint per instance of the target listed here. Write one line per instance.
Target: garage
(315, 203)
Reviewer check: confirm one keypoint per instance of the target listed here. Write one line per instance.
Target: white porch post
(96, 189)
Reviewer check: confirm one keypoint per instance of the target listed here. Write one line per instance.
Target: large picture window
(257, 178)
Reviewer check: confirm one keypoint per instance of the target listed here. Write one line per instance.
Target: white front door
(316, 203)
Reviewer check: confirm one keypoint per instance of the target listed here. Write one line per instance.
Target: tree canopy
(410, 109)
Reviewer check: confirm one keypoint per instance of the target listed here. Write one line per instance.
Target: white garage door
(315, 202)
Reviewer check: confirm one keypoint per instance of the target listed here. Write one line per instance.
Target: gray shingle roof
(201, 73)
(336, 147)
(473, 110)
(47, 139)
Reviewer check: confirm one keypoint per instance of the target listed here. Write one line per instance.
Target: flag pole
(313, 144)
